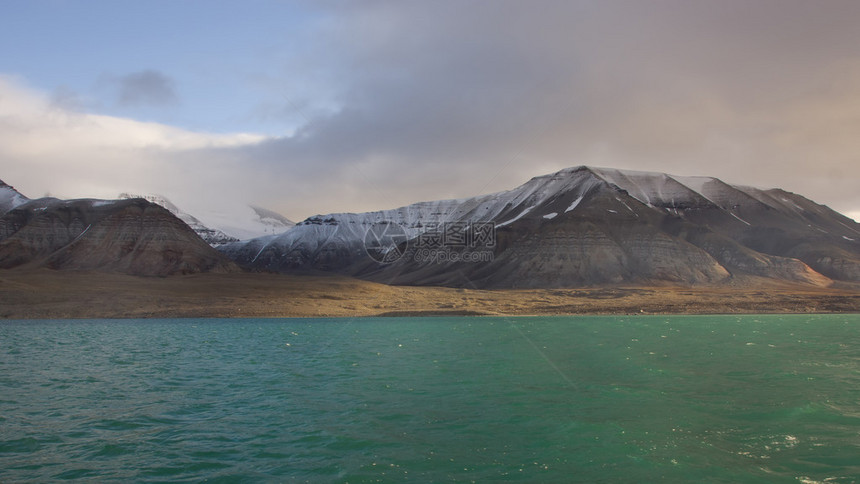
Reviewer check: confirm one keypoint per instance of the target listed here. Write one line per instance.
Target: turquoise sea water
(561, 399)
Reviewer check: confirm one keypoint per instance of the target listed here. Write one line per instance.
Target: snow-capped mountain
(580, 226)
(222, 227)
(583, 226)
(336, 240)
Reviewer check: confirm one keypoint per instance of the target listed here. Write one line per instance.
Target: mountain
(581, 226)
(130, 236)
(222, 227)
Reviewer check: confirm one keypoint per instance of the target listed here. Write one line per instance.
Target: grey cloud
(145, 88)
(66, 98)
(453, 98)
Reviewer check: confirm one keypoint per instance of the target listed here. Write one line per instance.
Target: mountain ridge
(578, 227)
(585, 226)
(10, 198)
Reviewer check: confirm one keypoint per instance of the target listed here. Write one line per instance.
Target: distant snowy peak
(10, 198)
(213, 237)
(272, 220)
(246, 222)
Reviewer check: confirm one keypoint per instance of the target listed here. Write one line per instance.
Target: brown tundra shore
(46, 294)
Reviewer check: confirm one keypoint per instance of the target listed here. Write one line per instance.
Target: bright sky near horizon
(315, 107)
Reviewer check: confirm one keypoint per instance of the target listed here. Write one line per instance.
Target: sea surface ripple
(543, 399)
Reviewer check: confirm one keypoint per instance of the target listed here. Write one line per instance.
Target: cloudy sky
(316, 107)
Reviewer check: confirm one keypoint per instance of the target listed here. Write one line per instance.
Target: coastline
(46, 294)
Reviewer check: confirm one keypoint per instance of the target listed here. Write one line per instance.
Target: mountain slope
(773, 222)
(130, 236)
(336, 241)
(10, 198)
(583, 226)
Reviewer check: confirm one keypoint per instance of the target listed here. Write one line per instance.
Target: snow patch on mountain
(574, 204)
(742, 220)
(521, 214)
(102, 203)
